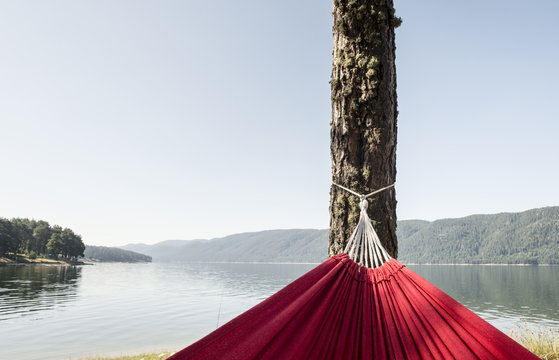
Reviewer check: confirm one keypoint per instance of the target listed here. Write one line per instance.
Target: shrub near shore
(542, 341)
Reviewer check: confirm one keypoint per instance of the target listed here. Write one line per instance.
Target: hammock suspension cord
(364, 246)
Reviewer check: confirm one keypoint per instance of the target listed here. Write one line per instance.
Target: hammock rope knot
(364, 246)
(363, 204)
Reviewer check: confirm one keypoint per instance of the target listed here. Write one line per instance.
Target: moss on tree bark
(364, 112)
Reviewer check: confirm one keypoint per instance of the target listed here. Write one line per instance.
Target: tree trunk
(363, 128)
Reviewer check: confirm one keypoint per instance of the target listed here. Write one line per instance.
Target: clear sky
(141, 121)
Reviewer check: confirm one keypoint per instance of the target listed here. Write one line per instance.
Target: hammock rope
(364, 246)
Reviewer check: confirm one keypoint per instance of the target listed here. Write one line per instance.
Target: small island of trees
(36, 238)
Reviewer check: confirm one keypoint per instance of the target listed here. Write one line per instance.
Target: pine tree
(363, 128)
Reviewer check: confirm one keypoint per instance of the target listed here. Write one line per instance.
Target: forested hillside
(112, 254)
(530, 237)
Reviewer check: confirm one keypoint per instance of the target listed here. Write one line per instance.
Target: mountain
(113, 254)
(529, 237)
(300, 245)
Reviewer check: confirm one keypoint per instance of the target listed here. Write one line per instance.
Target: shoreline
(45, 261)
(39, 261)
(317, 263)
(469, 264)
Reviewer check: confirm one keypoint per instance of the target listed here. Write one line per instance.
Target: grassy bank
(153, 356)
(544, 342)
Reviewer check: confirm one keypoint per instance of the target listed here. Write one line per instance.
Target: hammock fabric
(342, 310)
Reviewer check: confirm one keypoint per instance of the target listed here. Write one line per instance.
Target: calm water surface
(51, 312)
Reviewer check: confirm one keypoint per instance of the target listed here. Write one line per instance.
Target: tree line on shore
(38, 238)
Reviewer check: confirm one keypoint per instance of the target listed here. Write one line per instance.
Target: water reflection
(28, 289)
(244, 278)
(501, 293)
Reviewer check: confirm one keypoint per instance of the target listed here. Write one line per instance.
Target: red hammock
(337, 311)
(344, 310)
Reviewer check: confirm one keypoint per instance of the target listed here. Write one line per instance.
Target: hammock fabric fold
(340, 310)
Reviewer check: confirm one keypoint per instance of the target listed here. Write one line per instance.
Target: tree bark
(364, 112)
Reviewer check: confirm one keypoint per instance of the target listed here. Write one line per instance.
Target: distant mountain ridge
(298, 245)
(529, 237)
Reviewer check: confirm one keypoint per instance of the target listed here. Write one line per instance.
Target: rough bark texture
(363, 128)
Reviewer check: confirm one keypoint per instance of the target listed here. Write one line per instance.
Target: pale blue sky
(140, 121)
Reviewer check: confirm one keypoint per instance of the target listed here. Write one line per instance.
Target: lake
(54, 312)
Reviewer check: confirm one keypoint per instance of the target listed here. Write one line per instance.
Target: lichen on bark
(363, 127)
